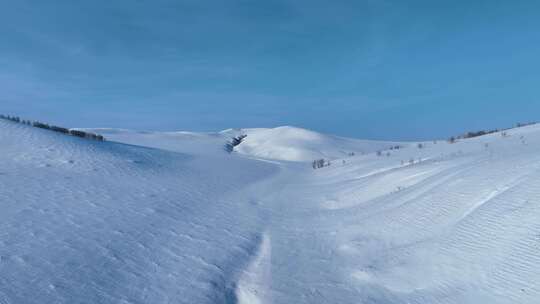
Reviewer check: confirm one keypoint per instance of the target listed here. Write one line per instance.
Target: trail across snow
(173, 218)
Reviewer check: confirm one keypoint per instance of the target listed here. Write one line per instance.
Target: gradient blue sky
(378, 69)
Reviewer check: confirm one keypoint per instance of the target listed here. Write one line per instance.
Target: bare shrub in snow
(11, 118)
(84, 134)
(235, 141)
(41, 125)
(58, 129)
(320, 163)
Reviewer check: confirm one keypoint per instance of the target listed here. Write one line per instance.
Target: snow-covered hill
(282, 143)
(296, 144)
(173, 218)
(184, 142)
(89, 222)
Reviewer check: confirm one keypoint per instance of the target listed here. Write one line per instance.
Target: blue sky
(369, 69)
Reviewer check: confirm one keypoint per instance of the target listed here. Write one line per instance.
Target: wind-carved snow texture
(182, 221)
(87, 222)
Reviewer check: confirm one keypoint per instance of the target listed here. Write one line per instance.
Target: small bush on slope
(235, 141)
(320, 163)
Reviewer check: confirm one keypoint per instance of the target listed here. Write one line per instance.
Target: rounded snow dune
(296, 144)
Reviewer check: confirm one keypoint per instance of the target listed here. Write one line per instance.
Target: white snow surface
(282, 143)
(296, 144)
(174, 218)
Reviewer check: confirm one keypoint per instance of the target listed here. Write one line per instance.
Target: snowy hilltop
(241, 216)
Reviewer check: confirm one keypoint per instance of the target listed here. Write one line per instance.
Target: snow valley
(176, 217)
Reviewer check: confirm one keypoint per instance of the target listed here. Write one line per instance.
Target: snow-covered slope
(296, 144)
(282, 143)
(186, 222)
(90, 222)
(448, 223)
(185, 142)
